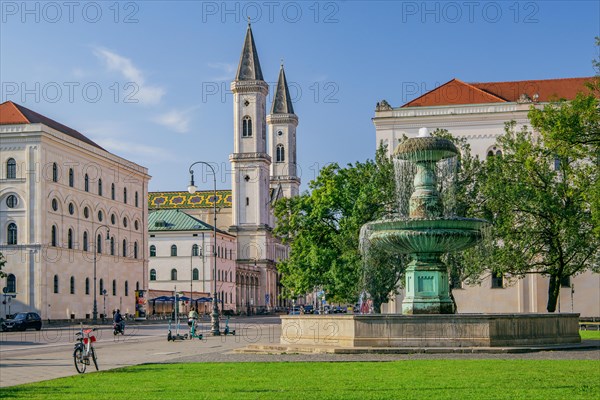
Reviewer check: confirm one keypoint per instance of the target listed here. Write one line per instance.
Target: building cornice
(250, 87)
(261, 157)
(437, 111)
(282, 119)
(285, 179)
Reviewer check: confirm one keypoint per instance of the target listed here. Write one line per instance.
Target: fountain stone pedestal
(426, 288)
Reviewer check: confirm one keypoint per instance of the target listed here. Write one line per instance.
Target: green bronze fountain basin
(428, 235)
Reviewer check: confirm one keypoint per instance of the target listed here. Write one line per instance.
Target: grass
(414, 379)
(586, 335)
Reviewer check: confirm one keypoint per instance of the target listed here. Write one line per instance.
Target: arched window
(195, 274)
(195, 250)
(173, 251)
(99, 244)
(247, 127)
(99, 187)
(280, 156)
(11, 233)
(11, 169)
(173, 274)
(124, 247)
(135, 250)
(54, 172)
(54, 236)
(112, 191)
(71, 177)
(55, 283)
(112, 246)
(152, 274)
(86, 183)
(136, 199)
(125, 195)
(101, 286)
(114, 287)
(72, 285)
(153, 251)
(87, 286)
(70, 238)
(12, 201)
(126, 288)
(11, 284)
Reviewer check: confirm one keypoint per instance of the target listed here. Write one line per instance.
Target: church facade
(263, 170)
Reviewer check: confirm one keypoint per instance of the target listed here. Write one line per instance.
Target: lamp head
(192, 188)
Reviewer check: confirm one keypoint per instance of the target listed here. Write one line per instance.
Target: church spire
(282, 101)
(249, 66)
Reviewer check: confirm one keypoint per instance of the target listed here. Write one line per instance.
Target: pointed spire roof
(249, 66)
(282, 101)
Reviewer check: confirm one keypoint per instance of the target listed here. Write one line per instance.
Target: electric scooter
(176, 336)
(193, 331)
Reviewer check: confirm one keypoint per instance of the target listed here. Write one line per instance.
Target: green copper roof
(175, 220)
(185, 200)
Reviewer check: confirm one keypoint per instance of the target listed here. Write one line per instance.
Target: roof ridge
(449, 82)
(533, 80)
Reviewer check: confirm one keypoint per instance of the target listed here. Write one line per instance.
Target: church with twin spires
(263, 170)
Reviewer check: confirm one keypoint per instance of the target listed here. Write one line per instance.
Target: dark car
(23, 321)
(308, 309)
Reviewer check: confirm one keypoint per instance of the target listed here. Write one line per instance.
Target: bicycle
(84, 350)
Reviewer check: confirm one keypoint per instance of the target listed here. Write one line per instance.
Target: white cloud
(134, 149)
(146, 94)
(226, 71)
(177, 120)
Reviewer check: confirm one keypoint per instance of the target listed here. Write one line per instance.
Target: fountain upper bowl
(440, 235)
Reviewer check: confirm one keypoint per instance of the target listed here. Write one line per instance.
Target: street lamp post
(214, 317)
(95, 310)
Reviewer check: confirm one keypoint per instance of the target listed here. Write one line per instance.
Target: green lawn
(590, 334)
(415, 379)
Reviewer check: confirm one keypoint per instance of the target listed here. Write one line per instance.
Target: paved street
(35, 356)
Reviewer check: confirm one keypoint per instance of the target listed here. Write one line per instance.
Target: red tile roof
(458, 92)
(13, 113)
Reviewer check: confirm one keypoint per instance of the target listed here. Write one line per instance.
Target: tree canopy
(538, 193)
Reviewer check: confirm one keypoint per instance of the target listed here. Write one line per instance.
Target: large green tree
(537, 194)
(323, 227)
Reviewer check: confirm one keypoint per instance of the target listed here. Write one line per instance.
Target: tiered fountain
(430, 230)
(425, 229)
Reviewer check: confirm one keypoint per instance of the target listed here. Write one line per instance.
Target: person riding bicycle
(118, 319)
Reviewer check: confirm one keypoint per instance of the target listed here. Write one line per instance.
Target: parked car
(23, 321)
(294, 311)
(308, 309)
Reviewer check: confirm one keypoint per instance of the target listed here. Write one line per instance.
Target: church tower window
(280, 156)
(247, 127)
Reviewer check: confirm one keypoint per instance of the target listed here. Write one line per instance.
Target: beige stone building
(68, 208)
(478, 112)
(182, 259)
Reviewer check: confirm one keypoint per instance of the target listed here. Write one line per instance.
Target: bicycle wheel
(78, 360)
(93, 355)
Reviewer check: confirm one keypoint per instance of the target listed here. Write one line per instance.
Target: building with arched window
(52, 180)
(181, 249)
(478, 112)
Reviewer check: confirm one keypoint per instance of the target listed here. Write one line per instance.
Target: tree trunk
(553, 292)
(376, 306)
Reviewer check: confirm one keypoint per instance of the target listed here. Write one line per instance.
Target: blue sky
(149, 80)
